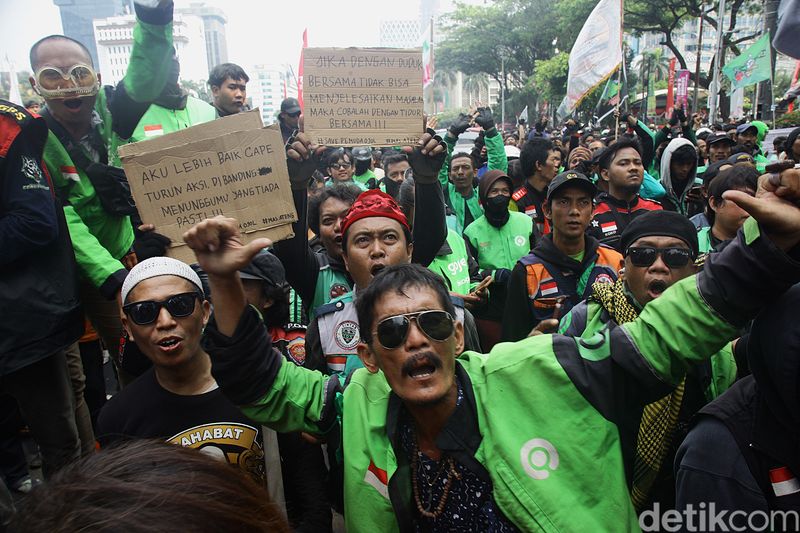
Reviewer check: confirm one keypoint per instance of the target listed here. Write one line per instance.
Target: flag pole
(622, 63)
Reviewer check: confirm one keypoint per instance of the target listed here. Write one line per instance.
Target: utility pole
(695, 99)
(717, 63)
(503, 95)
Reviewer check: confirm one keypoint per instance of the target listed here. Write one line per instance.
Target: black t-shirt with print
(208, 421)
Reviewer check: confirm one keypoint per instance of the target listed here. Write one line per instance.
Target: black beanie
(661, 224)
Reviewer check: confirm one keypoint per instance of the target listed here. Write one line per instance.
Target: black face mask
(496, 210)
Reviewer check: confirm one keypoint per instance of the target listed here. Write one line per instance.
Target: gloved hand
(572, 126)
(681, 115)
(673, 120)
(426, 166)
(460, 125)
(149, 244)
(484, 118)
(302, 160)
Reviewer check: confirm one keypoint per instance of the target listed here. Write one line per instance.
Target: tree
(197, 88)
(25, 89)
(512, 33)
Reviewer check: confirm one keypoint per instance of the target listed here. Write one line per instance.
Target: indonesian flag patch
(71, 173)
(783, 481)
(609, 227)
(531, 211)
(378, 479)
(549, 287)
(153, 130)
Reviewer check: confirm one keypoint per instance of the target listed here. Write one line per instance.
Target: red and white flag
(71, 173)
(378, 478)
(783, 481)
(153, 130)
(608, 227)
(548, 288)
(300, 69)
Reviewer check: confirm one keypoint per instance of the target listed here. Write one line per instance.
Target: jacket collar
(616, 202)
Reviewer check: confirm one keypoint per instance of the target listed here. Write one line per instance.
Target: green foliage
(789, 120)
(198, 89)
(527, 35)
(550, 77)
(25, 89)
(448, 116)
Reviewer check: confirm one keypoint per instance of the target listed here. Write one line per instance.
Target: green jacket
(496, 153)
(588, 318)
(99, 239)
(495, 248)
(160, 120)
(704, 240)
(454, 266)
(555, 414)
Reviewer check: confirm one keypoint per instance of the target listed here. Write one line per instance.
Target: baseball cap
(741, 157)
(570, 178)
(290, 106)
(719, 137)
(265, 267)
(362, 153)
(741, 128)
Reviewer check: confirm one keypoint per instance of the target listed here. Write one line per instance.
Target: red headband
(374, 203)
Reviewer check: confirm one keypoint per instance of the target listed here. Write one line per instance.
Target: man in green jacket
(85, 122)
(660, 249)
(458, 173)
(536, 431)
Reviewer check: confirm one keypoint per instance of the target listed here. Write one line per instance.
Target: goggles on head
(80, 80)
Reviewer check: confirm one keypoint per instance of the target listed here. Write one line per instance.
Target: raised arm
(250, 372)
(148, 68)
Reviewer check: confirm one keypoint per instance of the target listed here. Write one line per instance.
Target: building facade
(268, 86)
(113, 38)
(214, 21)
(77, 16)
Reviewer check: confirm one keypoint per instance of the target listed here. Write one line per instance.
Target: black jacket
(38, 277)
(757, 422)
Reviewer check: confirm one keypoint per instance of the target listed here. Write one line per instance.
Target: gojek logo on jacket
(538, 457)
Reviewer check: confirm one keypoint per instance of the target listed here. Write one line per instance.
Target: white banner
(596, 53)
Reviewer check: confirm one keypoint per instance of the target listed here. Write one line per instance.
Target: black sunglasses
(644, 256)
(146, 312)
(436, 325)
(294, 115)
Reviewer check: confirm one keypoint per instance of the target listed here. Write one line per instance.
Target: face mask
(496, 210)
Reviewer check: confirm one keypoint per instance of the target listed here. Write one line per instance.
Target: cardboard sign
(230, 166)
(363, 96)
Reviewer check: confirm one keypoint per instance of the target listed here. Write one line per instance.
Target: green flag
(752, 66)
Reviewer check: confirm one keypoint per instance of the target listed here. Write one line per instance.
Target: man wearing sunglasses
(660, 248)
(177, 400)
(537, 433)
(85, 123)
(289, 117)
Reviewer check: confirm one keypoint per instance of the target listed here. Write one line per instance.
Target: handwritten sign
(363, 96)
(230, 167)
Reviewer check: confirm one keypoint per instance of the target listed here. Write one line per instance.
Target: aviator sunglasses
(146, 312)
(436, 325)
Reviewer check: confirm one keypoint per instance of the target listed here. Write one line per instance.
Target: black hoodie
(756, 423)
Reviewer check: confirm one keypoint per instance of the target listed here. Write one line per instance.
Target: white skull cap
(159, 266)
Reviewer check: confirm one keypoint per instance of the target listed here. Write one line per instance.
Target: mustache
(423, 357)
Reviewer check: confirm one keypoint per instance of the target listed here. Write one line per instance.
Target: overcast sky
(267, 32)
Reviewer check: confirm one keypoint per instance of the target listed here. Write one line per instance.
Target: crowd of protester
(549, 329)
